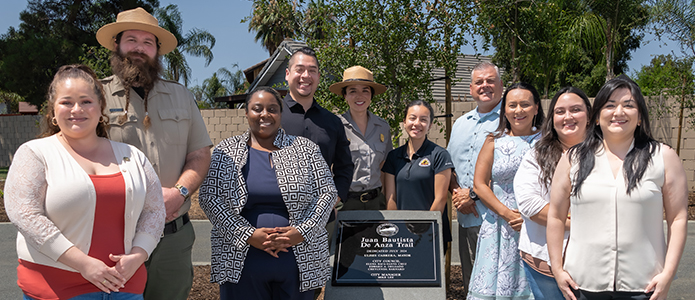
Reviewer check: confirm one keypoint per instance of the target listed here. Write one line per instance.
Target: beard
(136, 73)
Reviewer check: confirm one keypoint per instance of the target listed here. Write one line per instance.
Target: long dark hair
(504, 124)
(73, 72)
(638, 159)
(549, 149)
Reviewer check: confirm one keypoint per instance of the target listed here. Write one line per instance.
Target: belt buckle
(362, 197)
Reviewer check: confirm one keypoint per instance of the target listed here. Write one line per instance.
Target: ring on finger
(104, 282)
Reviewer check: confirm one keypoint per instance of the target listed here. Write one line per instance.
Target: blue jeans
(102, 296)
(542, 286)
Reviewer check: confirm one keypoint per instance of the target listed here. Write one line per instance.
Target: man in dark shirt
(303, 116)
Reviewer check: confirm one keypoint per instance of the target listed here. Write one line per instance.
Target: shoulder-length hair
(638, 159)
(504, 124)
(549, 149)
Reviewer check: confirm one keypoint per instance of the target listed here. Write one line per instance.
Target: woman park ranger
(369, 136)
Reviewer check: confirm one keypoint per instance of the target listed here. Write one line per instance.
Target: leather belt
(364, 196)
(176, 225)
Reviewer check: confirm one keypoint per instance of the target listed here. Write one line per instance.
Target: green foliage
(226, 83)
(97, 58)
(52, 34)
(11, 101)
(676, 19)
(273, 21)
(671, 77)
(400, 41)
(555, 43)
(197, 42)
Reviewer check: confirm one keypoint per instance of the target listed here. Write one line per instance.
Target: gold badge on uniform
(381, 136)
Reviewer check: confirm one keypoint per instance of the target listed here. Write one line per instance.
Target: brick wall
(14, 131)
(224, 123)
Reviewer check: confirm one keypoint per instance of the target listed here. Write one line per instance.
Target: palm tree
(610, 24)
(317, 18)
(273, 21)
(675, 18)
(196, 42)
(233, 82)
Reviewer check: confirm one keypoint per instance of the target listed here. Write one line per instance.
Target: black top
(415, 178)
(325, 129)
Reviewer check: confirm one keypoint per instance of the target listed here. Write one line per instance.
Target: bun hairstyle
(73, 72)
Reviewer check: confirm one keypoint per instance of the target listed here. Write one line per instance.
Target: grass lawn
(3, 172)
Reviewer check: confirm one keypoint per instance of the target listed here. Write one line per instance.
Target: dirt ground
(203, 289)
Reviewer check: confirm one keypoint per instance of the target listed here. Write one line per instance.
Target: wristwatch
(183, 190)
(473, 195)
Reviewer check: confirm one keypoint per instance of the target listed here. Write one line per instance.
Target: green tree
(11, 101)
(222, 83)
(274, 21)
(561, 42)
(97, 58)
(621, 22)
(401, 41)
(671, 77)
(196, 42)
(676, 19)
(52, 33)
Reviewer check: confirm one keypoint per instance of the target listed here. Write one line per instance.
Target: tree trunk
(514, 63)
(609, 52)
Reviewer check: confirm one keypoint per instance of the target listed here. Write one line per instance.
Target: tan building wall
(224, 123)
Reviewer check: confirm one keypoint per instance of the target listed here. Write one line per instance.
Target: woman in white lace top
(89, 211)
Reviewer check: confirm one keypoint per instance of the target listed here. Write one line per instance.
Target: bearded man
(160, 118)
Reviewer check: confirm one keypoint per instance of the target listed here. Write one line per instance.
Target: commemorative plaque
(387, 253)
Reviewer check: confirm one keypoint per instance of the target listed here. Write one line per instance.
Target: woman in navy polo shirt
(417, 174)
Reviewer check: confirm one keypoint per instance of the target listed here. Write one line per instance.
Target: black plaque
(387, 253)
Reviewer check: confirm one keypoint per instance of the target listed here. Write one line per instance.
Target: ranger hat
(357, 75)
(136, 19)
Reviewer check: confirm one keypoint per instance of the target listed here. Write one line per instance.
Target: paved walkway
(683, 288)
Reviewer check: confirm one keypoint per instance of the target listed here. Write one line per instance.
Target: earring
(534, 123)
(639, 123)
(102, 119)
(596, 122)
(54, 122)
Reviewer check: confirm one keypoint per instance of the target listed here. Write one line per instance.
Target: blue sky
(235, 45)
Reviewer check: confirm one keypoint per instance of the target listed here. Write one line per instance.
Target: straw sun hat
(357, 75)
(136, 19)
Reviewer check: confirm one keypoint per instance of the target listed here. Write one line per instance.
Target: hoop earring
(102, 119)
(54, 122)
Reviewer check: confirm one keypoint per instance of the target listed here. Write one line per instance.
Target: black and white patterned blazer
(306, 184)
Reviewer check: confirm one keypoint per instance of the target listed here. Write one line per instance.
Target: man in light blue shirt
(467, 137)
